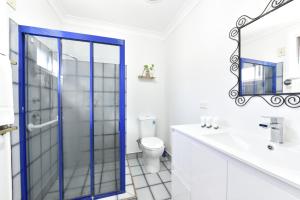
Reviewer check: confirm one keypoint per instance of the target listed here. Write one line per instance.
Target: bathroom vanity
(227, 165)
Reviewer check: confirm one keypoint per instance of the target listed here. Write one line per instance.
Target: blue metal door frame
(24, 30)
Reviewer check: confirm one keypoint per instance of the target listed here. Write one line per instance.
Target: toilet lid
(152, 142)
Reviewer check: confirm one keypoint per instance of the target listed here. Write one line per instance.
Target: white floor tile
(165, 176)
(169, 187)
(139, 181)
(129, 193)
(136, 170)
(128, 180)
(153, 179)
(110, 198)
(160, 192)
(133, 162)
(144, 194)
(127, 170)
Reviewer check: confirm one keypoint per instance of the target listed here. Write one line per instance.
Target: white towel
(6, 92)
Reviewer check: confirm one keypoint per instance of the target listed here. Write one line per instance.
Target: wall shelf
(146, 77)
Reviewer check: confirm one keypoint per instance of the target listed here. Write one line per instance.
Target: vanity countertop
(282, 162)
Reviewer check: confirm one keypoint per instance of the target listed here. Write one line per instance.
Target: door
(72, 115)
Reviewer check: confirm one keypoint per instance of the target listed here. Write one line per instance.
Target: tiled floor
(149, 186)
(140, 185)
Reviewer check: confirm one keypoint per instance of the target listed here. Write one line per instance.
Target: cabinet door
(182, 157)
(180, 190)
(209, 173)
(201, 169)
(247, 183)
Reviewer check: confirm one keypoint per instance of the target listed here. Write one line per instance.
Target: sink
(251, 148)
(282, 157)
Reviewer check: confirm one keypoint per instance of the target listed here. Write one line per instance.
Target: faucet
(276, 126)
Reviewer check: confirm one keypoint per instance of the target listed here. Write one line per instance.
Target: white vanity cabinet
(247, 183)
(200, 172)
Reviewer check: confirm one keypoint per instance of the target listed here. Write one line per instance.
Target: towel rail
(31, 126)
(6, 129)
(12, 62)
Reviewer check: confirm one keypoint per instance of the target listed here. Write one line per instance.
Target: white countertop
(282, 163)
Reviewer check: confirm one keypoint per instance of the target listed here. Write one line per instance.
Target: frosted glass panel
(41, 106)
(106, 111)
(76, 119)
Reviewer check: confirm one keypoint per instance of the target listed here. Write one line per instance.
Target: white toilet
(152, 146)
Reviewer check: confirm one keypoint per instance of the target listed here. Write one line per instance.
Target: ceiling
(139, 14)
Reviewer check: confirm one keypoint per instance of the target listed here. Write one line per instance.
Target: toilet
(152, 147)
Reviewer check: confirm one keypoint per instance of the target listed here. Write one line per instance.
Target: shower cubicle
(72, 115)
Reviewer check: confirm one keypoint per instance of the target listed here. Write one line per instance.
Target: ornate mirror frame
(292, 99)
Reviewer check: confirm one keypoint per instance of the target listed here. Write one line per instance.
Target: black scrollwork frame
(292, 99)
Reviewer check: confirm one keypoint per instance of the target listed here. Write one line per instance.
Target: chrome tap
(276, 126)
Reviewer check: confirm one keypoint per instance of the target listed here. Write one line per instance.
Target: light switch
(12, 3)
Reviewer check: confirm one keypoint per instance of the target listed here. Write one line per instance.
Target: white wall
(198, 54)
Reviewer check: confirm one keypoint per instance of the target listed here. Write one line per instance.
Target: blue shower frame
(59, 35)
(272, 65)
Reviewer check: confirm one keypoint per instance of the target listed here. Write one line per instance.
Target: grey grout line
(148, 185)
(164, 184)
(152, 185)
(145, 176)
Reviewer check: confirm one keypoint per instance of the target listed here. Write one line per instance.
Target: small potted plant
(148, 70)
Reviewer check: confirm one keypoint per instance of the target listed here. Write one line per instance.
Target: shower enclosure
(72, 115)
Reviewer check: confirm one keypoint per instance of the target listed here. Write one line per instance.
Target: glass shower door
(106, 61)
(41, 64)
(75, 111)
(72, 115)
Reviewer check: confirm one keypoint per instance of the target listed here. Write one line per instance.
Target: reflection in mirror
(270, 53)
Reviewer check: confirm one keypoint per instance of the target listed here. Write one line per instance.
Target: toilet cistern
(276, 127)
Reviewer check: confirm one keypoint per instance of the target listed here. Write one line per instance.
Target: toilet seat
(152, 143)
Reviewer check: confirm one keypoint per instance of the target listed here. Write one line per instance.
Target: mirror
(270, 53)
(266, 61)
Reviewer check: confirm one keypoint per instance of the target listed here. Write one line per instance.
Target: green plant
(148, 68)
